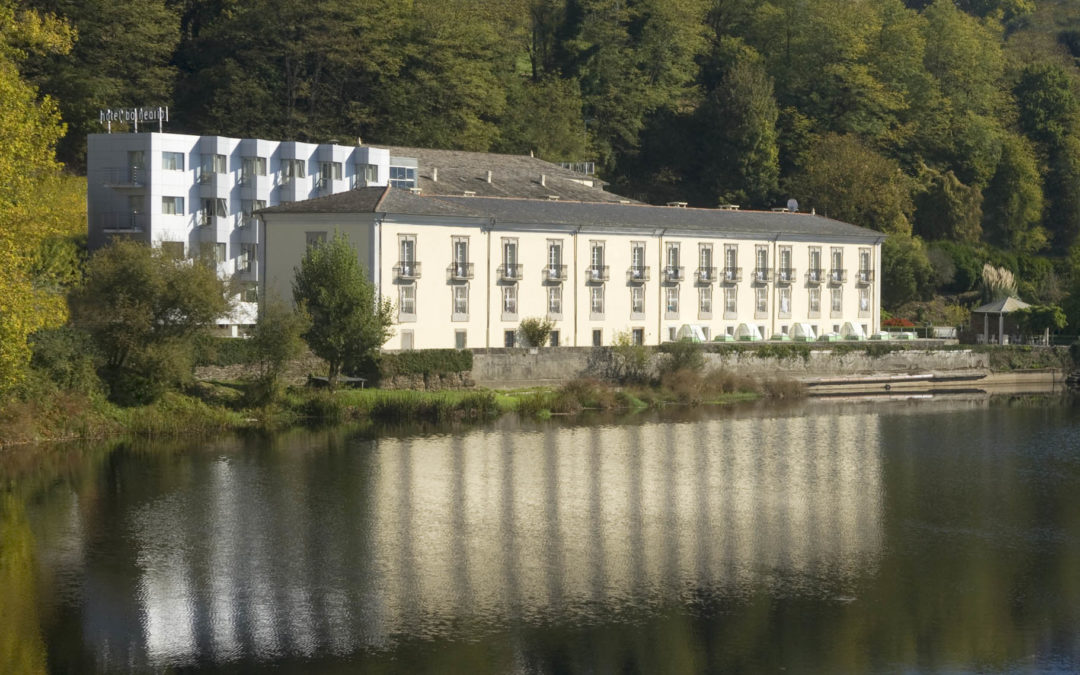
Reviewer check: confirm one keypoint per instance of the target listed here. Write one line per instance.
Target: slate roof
(511, 175)
(588, 215)
(1003, 306)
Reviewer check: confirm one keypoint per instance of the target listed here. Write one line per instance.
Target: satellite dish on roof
(792, 205)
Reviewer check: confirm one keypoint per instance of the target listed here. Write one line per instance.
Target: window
(406, 339)
(403, 176)
(136, 166)
(219, 252)
(672, 333)
(814, 273)
(553, 338)
(554, 260)
(213, 208)
(637, 260)
(213, 164)
(248, 207)
(554, 300)
(637, 336)
(509, 308)
(172, 206)
(815, 300)
(731, 262)
(461, 252)
(315, 238)
(637, 301)
(136, 204)
(672, 258)
(461, 302)
(251, 167)
(785, 273)
(249, 293)
(407, 302)
(173, 249)
(172, 161)
(705, 301)
(761, 300)
(596, 301)
(510, 259)
(460, 339)
(730, 306)
(837, 304)
(597, 337)
(705, 265)
(292, 168)
(864, 300)
(508, 339)
(246, 258)
(671, 302)
(836, 273)
(761, 262)
(329, 171)
(371, 173)
(407, 252)
(596, 261)
(785, 301)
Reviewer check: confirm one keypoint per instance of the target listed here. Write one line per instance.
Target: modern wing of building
(195, 195)
(465, 270)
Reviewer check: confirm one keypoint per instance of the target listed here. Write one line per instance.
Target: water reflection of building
(335, 551)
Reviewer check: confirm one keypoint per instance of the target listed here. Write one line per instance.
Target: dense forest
(951, 125)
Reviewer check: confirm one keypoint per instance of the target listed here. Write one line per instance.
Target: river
(911, 536)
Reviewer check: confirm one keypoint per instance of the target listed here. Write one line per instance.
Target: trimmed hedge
(425, 362)
(225, 351)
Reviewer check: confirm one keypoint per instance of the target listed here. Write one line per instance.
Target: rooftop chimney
(543, 179)
(489, 176)
(435, 174)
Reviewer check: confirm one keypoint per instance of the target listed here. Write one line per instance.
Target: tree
(948, 209)
(536, 330)
(144, 310)
(103, 71)
(846, 180)
(276, 340)
(906, 271)
(29, 130)
(1039, 319)
(349, 322)
(1013, 202)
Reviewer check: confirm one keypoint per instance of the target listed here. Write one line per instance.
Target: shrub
(535, 331)
(425, 362)
(682, 355)
(629, 362)
(686, 385)
(66, 357)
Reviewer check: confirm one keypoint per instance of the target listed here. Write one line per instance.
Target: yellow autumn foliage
(33, 208)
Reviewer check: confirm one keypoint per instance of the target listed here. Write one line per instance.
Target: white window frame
(172, 206)
(705, 302)
(637, 302)
(671, 302)
(813, 307)
(169, 161)
(731, 302)
(783, 307)
(406, 302)
(554, 302)
(761, 302)
(596, 303)
(510, 302)
(836, 302)
(459, 299)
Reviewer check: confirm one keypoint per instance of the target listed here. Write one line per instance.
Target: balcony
(596, 273)
(459, 271)
(815, 275)
(785, 275)
(554, 273)
(705, 275)
(510, 272)
(732, 275)
(762, 275)
(638, 274)
(864, 277)
(123, 222)
(674, 274)
(837, 276)
(131, 177)
(407, 270)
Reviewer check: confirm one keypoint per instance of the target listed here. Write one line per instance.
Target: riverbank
(213, 407)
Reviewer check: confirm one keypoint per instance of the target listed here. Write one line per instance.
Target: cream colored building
(464, 271)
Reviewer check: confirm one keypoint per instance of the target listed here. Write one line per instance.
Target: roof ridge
(378, 203)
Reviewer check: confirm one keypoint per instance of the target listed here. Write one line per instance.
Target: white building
(196, 194)
(464, 270)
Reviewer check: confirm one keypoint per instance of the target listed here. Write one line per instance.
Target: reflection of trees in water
(22, 650)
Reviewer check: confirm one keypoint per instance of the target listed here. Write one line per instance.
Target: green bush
(219, 351)
(66, 356)
(682, 355)
(536, 331)
(425, 362)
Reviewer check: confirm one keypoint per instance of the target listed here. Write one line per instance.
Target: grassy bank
(213, 407)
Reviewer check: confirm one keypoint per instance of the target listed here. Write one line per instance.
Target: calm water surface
(827, 537)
